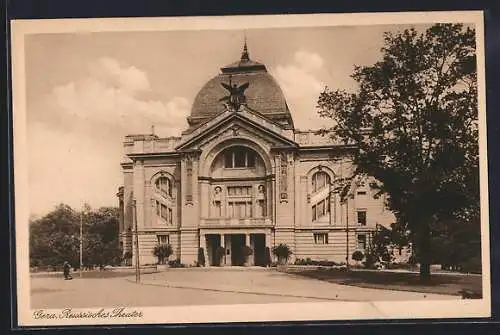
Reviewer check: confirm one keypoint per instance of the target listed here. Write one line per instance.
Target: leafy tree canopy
(414, 120)
(55, 237)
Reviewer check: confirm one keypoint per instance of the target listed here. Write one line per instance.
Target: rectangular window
(361, 193)
(361, 241)
(157, 208)
(163, 239)
(239, 191)
(361, 214)
(314, 213)
(239, 209)
(170, 215)
(242, 207)
(320, 238)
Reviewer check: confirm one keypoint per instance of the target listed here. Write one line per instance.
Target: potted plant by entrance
(162, 252)
(220, 252)
(283, 253)
(247, 252)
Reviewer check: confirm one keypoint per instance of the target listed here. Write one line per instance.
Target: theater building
(243, 175)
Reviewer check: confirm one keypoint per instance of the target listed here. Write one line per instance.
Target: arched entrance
(239, 186)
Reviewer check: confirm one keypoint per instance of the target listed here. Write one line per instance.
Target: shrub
(282, 252)
(163, 252)
(371, 259)
(201, 257)
(358, 255)
(300, 261)
(176, 264)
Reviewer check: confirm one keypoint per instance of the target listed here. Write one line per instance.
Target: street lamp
(136, 242)
(81, 241)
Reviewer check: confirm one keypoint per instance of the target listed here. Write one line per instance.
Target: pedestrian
(66, 269)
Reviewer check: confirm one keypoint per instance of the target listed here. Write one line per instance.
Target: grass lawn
(399, 281)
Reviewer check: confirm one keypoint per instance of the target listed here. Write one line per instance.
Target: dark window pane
(251, 159)
(239, 158)
(362, 218)
(228, 159)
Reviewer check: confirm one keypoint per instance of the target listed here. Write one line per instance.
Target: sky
(86, 91)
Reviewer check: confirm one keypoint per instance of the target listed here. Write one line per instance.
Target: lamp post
(81, 242)
(136, 242)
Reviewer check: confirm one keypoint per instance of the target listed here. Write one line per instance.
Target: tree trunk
(425, 252)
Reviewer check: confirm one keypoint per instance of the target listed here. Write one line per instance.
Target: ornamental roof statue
(236, 96)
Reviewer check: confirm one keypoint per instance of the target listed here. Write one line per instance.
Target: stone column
(226, 242)
(203, 244)
(268, 245)
(251, 258)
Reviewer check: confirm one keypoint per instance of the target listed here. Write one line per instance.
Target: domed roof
(263, 94)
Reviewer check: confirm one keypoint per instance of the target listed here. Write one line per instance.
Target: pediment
(243, 123)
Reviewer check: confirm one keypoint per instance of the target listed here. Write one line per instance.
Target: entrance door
(259, 249)
(213, 243)
(237, 243)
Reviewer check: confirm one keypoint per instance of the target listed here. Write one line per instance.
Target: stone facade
(243, 176)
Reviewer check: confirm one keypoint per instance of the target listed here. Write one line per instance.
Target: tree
(55, 237)
(414, 122)
(378, 249)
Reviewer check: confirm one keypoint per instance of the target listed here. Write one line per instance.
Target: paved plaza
(201, 286)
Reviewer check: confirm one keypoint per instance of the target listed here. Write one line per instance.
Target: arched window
(164, 186)
(319, 181)
(239, 157)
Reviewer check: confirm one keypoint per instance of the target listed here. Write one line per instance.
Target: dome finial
(244, 55)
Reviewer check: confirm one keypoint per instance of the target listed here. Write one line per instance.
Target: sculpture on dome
(236, 96)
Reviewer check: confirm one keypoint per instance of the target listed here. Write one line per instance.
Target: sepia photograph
(250, 169)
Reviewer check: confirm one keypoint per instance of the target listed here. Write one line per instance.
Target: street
(200, 286)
